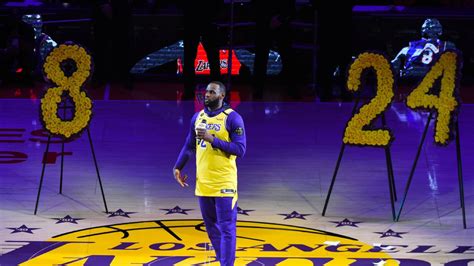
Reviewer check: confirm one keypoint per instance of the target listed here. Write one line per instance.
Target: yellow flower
(446, 103)
(72, 84)
(354, 134)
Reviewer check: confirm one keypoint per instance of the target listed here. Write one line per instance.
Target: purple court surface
(284, 177)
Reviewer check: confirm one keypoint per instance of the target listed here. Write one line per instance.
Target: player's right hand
(181, 179)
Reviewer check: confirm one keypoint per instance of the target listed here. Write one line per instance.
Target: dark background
(156, 24)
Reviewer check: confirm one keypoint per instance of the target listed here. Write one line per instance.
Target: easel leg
(341, 153)
(62, 152)
(461, 183)
(388, 155)
(391, 181)
(62, 169)
(392, 176)
(97, 169)
(42, 175)
(420, 146)
(338, 163)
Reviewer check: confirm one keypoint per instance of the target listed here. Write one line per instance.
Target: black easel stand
(459, 165)
(461, 183)
(42, 175)
(391, 176)
(61, 177)
(391, 179)
(97, 170)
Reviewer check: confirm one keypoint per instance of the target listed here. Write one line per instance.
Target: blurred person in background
(112, 21)
(200, 26)
(273, 28)
(17, 57)
(334, 53)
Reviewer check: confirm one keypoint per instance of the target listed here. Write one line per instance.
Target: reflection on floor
(283, 182)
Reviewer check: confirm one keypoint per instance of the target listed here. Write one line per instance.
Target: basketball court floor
(292, 149)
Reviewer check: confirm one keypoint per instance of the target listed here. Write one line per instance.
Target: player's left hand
(202, 133)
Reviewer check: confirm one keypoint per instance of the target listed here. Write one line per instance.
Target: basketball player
(217, 137)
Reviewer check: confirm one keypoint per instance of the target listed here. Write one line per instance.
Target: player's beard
(211, 104)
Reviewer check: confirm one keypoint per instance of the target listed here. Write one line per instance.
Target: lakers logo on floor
(185, 242)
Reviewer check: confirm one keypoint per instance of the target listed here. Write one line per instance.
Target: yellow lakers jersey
(216, 171)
